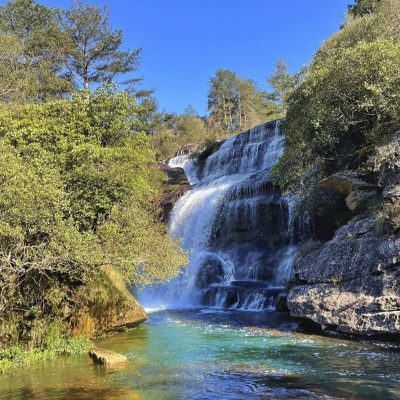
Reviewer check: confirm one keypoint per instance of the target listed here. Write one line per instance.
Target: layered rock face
(352, 282)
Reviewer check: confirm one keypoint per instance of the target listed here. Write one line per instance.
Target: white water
(189, 166)
(235, 226)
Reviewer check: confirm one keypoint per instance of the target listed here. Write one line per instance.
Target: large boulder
(107, 357)
(110, 307)
(351, 282)
(349, 257)
(367, 305)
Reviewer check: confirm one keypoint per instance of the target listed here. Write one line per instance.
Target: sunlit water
(217, 355)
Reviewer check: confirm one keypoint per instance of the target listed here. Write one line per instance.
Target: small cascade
(235, 224)
(188, 164)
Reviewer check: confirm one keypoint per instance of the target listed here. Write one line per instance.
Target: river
(214, 354)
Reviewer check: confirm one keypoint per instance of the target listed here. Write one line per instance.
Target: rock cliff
(352, 282)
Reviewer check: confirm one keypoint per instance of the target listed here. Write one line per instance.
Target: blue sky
(185, 41)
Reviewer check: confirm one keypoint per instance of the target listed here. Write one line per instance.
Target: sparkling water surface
(211, 354)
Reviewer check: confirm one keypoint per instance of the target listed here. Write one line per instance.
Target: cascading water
(235, 225)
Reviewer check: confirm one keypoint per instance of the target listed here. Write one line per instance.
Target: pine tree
(94, 54)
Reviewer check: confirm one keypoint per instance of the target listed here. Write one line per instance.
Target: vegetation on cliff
(77, 173)
(345, 103)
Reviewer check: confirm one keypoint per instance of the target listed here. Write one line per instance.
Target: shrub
(387, 218)
(346, 102)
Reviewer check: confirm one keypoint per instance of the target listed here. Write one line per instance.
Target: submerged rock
(351, 282)
(107, 357)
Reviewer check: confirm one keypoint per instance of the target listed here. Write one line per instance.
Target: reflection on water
(197, 355)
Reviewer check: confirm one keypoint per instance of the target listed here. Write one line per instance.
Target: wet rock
(281, 302)
(173, 176)
(186, 150)
(210, 271)
(352, 282)
(107, 357)
(355, 228)
(175, 186)
(392, 193)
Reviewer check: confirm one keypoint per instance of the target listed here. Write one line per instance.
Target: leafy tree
(77, 182)
(235, 103)
(34, 24)
(172, 132)
(345, 102)
(363, 7)
(94, 54)
(31, 51)
(43, 257)
(248, 104)
(281, 81)
(221, 99)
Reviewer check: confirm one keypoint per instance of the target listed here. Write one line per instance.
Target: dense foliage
(77, 173)
(76, 181)
(173, 132)
(346, 101)
(363, 7)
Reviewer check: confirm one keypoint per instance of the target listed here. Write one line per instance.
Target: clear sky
(185, 41)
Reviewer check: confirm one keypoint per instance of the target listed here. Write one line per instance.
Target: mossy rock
(111, 307)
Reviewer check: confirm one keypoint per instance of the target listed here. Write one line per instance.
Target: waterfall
(235, 224)
(188, 164)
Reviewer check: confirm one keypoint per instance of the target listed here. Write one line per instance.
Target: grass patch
(55, 344)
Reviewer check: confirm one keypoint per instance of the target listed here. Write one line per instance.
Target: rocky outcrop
(351, 283)
(353, 185)
(175, 186)
(111, 307)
